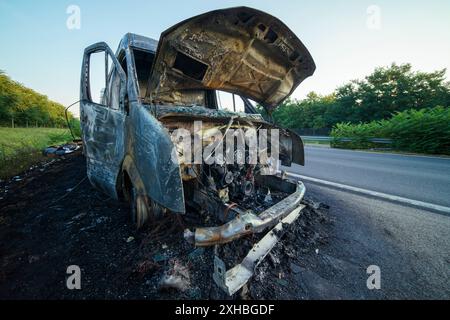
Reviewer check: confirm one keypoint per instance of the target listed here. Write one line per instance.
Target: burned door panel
(104, 146)
(103, 124)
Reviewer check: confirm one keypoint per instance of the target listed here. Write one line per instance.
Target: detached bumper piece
(232, 280)
(249, 222)
(277, 217)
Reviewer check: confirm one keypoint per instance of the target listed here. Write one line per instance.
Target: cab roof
(138, 41)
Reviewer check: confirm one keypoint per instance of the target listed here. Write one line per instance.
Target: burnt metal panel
(150, 147)
(235, 278)
(239, 50)
(249, 222)
(102, 127)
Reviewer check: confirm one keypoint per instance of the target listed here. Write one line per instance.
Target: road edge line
(419, 155)
(376, 194)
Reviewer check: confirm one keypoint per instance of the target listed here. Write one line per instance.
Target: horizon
(360, 36)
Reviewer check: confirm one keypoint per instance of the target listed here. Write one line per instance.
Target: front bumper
(249, 222)
(232, 280)
(279, 215)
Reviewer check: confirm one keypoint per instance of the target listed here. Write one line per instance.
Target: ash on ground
(52, 218)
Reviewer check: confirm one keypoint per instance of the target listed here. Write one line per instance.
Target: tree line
(388, 90)
(379, 96)
(21, 106)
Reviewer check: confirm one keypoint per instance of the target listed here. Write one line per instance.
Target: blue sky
(39, 50)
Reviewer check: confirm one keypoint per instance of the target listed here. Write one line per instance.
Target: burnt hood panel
(239, 50)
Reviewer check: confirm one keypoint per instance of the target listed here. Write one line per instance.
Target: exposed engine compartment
(226, 189)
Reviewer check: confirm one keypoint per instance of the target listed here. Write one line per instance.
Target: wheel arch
(130, 177)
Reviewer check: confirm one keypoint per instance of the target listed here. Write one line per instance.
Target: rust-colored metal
(228, 208)
(249, 222)
(240, 50)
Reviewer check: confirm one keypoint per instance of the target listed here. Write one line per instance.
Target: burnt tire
(138, 208)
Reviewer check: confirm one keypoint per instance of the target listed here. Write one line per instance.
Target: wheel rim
(141, 211)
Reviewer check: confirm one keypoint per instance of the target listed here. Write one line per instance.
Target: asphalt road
(419, 178)
(411, 245)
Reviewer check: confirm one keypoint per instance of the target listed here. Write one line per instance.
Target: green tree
(24, 106)
(392, 89)
(378, 96)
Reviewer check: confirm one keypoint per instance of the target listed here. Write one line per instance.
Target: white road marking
(374, 193)
(410, 155)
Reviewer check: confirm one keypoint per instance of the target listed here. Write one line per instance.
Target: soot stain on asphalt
(53, 218)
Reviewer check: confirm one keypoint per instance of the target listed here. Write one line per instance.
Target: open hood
(239, 50)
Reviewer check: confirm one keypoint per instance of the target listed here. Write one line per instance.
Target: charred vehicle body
(154, 88)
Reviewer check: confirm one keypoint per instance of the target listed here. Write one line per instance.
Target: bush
(22, 147)
(422, 131)
(358, 135)
(75, 126)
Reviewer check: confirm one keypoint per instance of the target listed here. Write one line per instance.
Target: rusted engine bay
(228, 190)
(218, 188)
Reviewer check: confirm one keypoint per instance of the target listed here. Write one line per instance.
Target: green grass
(22, 147)
(315, 142)
(425, 131)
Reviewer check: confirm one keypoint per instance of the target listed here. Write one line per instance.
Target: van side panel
(150, 148)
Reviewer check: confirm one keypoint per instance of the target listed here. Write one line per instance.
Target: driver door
(103, 88)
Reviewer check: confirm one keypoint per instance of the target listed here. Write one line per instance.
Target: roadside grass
(317, 142)
(397, 152)
(20, 148)
(425, 131)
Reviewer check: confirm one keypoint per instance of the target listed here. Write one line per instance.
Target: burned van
(176, 126)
